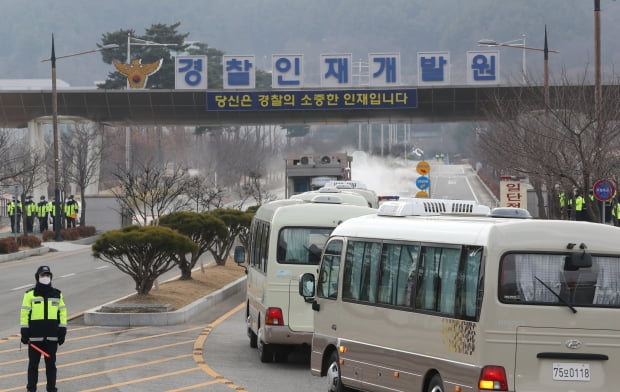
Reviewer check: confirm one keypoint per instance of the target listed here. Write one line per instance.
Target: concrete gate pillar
(37, 132)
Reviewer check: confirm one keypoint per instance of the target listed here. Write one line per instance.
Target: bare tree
(253, 189)
(23, 169)
(151, 190)
(82, 153)
(15, 157)
(564, 147)
(203, 195)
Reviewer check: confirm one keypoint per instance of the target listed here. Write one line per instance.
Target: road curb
(22, 254)
(180, 316)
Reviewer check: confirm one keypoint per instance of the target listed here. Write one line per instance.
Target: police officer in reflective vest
(14, 210)
(43, 210)
(71, 211)
(30, 208)
(43, 323)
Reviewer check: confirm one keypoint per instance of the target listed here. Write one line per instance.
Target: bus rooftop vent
(415, 206)
(510, 212)
(347, 184)
(327, 199)
(329, 190)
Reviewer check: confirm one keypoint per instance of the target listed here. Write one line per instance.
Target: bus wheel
(265, 352)
(253, 338)
(435, 385)
(334, 383)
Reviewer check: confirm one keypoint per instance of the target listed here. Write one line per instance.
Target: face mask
(45, 280)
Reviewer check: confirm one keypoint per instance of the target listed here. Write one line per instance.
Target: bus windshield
(544, 279)
(302, 245)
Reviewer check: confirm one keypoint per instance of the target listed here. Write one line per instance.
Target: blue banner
(312, 100)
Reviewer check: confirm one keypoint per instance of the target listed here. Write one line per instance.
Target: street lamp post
(52, 59)
(141, 42)
(598, 96)
(511, 44)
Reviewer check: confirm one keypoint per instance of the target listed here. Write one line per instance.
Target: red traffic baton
(39, 350)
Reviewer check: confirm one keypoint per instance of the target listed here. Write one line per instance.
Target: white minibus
(286, 240)
(458, 302)
(356, 187)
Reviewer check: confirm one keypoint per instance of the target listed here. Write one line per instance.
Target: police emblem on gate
(136, 72)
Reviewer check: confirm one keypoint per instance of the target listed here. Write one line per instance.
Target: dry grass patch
(179, 293)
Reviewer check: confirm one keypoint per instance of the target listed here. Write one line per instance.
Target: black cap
(44, 269)
(29, 197)
(42, 197)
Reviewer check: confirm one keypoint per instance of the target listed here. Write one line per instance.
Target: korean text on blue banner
(312, 100)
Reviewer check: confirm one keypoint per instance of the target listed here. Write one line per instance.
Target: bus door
(300, 314)
(299, 251)
(327, 286)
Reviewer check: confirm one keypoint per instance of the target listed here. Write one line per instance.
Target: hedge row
(12, 244)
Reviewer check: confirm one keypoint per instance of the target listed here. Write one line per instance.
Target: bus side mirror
(239, 256)
(306, 286)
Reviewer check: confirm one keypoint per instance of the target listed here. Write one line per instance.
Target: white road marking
(22, 287)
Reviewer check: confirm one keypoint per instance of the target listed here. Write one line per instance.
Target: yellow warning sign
(423, 168)
(421, 195)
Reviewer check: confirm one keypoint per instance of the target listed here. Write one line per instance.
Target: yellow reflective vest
(43, 312)
(579, 203)
(14, 207)
(71, 208)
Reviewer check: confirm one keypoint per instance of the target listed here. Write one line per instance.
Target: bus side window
(428, 280)
(327, 285)
(281, 251)
(353, 270)
(508, 290)
(264, 247)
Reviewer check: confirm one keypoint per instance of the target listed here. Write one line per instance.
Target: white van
(286, 240)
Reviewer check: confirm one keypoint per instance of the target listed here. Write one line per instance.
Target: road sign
(423, 182)
(423, 168)
(421, 194)
(603, 190)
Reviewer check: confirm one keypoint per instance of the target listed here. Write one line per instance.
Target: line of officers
(575, 208)
(44, 211)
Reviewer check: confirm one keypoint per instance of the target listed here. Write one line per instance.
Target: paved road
(210, 353)
(459, 182)
(85, 282)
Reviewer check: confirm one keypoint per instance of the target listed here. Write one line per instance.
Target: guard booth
(307, 172)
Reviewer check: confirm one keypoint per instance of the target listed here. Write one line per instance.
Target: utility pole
(598, 96)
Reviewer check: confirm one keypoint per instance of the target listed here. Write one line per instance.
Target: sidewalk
(52, 246)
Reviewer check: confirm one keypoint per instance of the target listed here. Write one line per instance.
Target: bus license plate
(566, 371)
